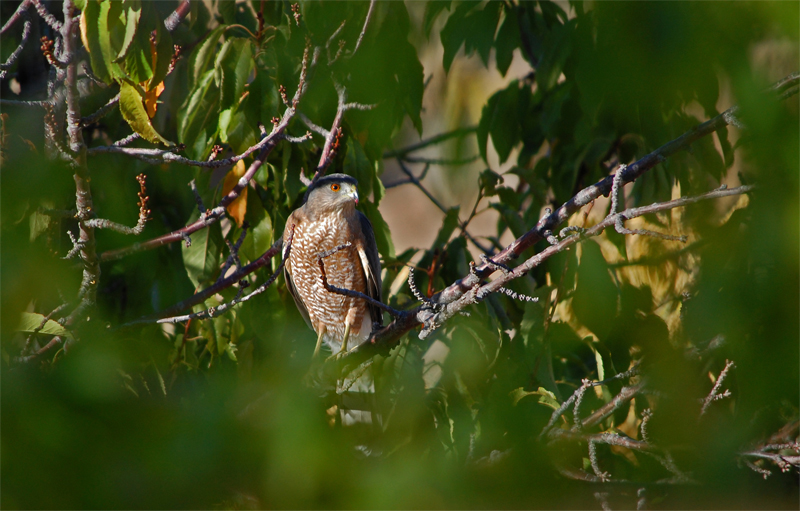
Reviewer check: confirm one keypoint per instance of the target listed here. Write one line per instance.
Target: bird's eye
(335, 187)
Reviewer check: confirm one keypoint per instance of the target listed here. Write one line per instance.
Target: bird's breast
(343, 270)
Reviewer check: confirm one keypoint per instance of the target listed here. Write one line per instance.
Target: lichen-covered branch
(590, 193)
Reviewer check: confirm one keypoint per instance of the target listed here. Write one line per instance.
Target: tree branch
(385, 338)
(178, 15)
(364, 28)
(438, 139)
(216, 311)
(212, 215)
(83, 201)
(210, 291)
(592, 192)
(26, 31)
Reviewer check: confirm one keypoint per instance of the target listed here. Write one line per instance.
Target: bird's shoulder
(296, 218)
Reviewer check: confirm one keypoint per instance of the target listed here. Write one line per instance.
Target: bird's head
(333, 192)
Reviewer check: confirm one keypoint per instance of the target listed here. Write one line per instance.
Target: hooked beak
(354, 196)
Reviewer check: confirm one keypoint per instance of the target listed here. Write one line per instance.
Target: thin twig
(348, 292)
(213, 312)
(469, 297)
(589, 194)
(127, 140)
(715, 395)
(438, 139)
(31, 104)
(101, 112)
(267, 144)
(364, 28)
(22, 8)
(26, 31)
(46, 16)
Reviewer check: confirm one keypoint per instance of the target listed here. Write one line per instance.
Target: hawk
(328, 219)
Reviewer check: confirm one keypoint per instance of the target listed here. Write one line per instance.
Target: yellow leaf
(238, 207)
(133, 111)
(151, 99)
(84, 37)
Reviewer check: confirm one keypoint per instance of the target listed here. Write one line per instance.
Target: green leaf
(546, 397)
(410, 81)
(507, 41)
(133, 111)
(500, 120)
(475, 29)
(357, 164)
(259, 236)
(203, 56)
(488, 181)
(378, 190)
(202, 258)
(133, 12)
(109, 26)
(432, 10)
(483, 26)
(30, 321)
(511, 218)
(263, 101)
(198, 115)
(232, 69)
(138, 63)
(552, 13)
(595, 297)
(455, 31)
(39, 223)
(449, 225)
(90, 35)
(557, 47)
(227, 8)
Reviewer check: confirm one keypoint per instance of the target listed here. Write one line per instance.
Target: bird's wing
(287, 275)
(371, 264)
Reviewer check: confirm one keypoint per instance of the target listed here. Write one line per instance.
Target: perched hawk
(328, 219)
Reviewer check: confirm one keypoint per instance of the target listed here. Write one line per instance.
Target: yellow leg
(343, 349)
(319, 342)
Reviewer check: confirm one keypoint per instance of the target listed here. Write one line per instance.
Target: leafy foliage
(218, 412)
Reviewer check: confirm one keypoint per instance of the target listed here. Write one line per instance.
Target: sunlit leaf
(30, 321)
(133, 12)
(39, 223)
(151, 99)
(134, 112)
(546, 397)
(203, 56)
(199, 110)
(238, 208)
(90, 36)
